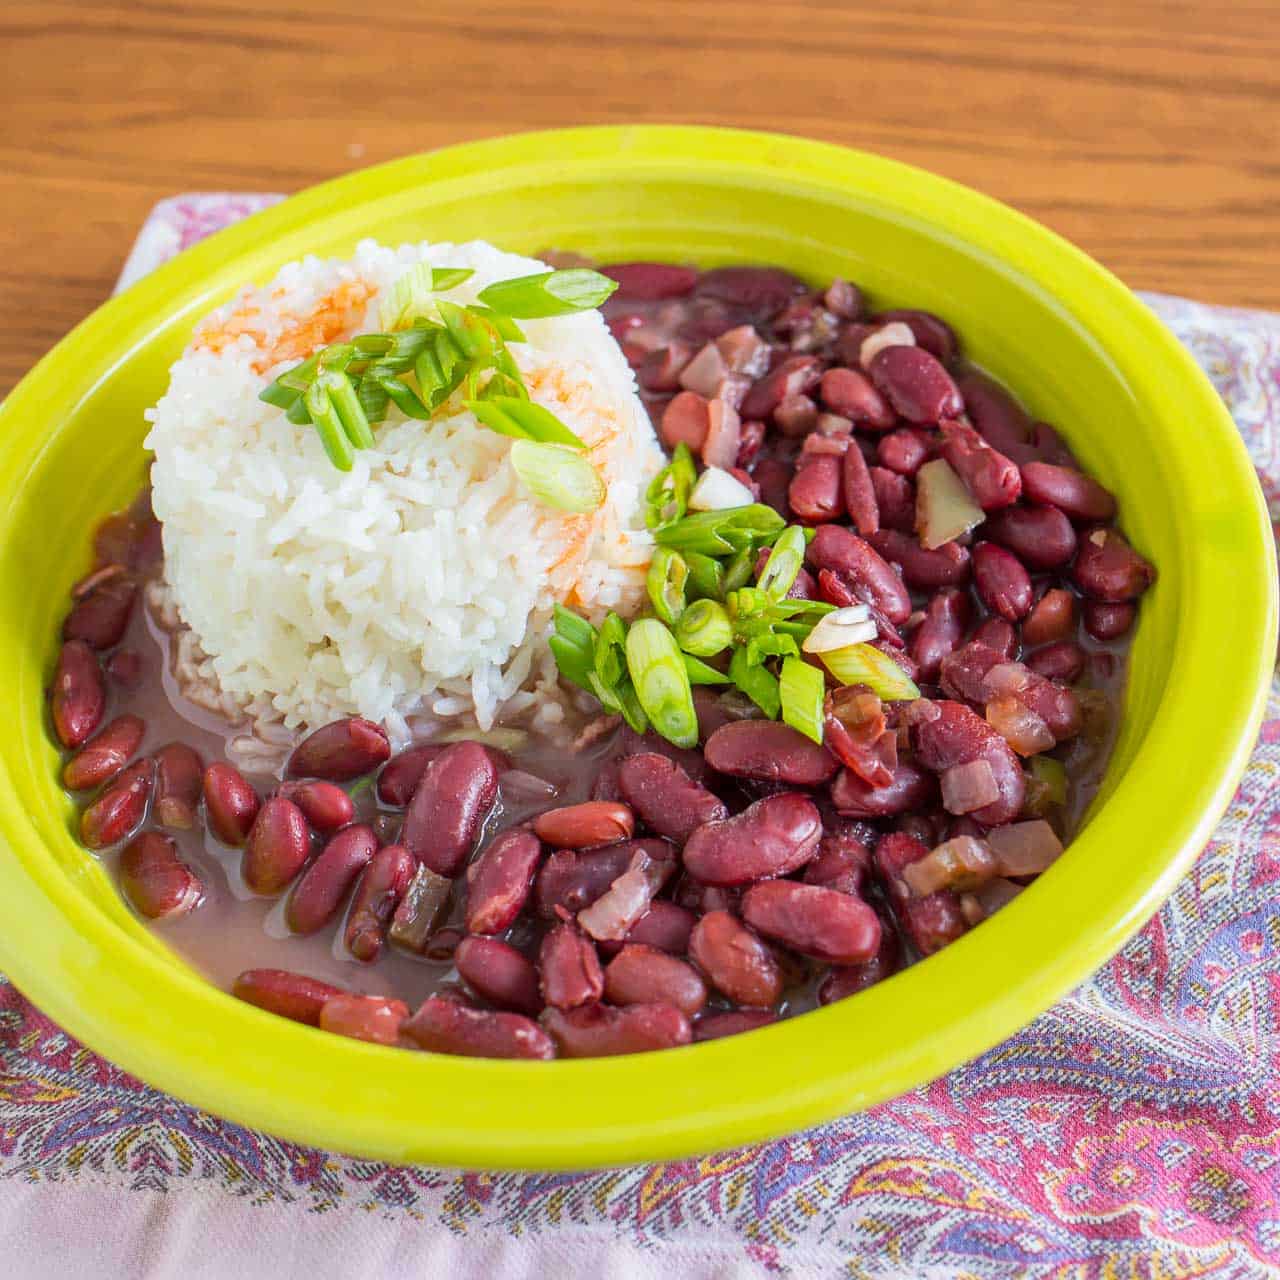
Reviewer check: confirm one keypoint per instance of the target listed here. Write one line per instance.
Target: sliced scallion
(558, 476)
(666, 580)
(801, 690)
(757, 682)
(342, 395)
(737, 573)
(720, 533)
(373, 399)
(704, 629)
(703, 673)
(667, 497)
(402, 397)
(783, 566)
(537, 422)
(329, 427)
(865, 664)
(661, 681)
(548, 293)
(411, 294)
(706, 576)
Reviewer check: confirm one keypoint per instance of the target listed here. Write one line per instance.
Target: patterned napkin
(1133, 1130)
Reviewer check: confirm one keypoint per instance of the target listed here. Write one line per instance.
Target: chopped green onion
(667, 497)
(507, 328)
(666, 580)
(577, 630)
(720, 533)
(373, 344)
(450, 277)
(702, 673)
(504, 362)
(342, 395)
(771, 645)
(865, 664)
(537, 422)
(704, 629)
(301, 376)
(706, 576)
(473, 335)
(1050, 772)
(427, 370)
(802, 690)
(497, 419)
(297, 412)
(737, 573)
(661, 681)
(610, 656)
(402, 397)
(748, 602)
(757, 682)
(329, 427)
(573, 663)
(337, 356)
(548, 293)
(411, 293)
(280, 396)
(373, 399)
(557, 476)
(783, 565)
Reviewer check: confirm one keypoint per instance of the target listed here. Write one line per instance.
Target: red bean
(600, 1031)
(665, 797)
(996, 634)
(1108, 569)
(442, 1025)
(759, 290)
(230, 804)
(101, 617)
(327, 807)
(773, 837)
(925, 570)
(860, 493)
(579, 826)
(735, 961)
(964, 671)
(400, 777)
(340, 751)
(383, 888)
(715, 1026)
(1108, 621)
(374, 1019)
(1078, 495)
(813, 920)
(932, 333)
(945, 621)
(930, 922)
(126, 668)
(179, 781)
(844, 300)
(853, 396)
(158, 884)
(572, 880)
(569, 968)
(856, 561)
(1041, 537)
(750, 442)
(645, 975)
(796, 416)
(911, 788)
(500, 879)
(449, 807)
(650, 281)
(498, 973)
(78, 696)
(318, 895)
(290, 995)
(1061, 660)
(102, 757)
(999, 418)
(841, 863)
(278, 844)
(904, 451)
(774, 478)
(119, 811)
(915, 384)
(815, 494)
(769, 751)
(992, 478)
(1052, 618)
(794, 376)
(895, 498)
(665, 926)
(1048, 446)
(958, 736)
(1002, 583)
(843, 981)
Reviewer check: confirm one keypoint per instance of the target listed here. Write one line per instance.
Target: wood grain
(1146, 132)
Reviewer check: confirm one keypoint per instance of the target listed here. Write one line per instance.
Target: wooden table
(1146, 132)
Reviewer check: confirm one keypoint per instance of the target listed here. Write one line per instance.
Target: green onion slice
(1050, 772)
(557, 476)
(373, 399)
(703, 673)
(507, 328)
(342, 395)
(757, 682)
(402, 396)
(865, 664)
(801, 690)
(329, 427)
(537, 422)
(706, 576)
(411, 294)
(661, 681)
(704, 629)
(666, 580)
(721, 533)
(783, 565)
(548, 293)
(667, 497)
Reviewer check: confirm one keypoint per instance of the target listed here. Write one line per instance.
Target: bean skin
(1062, 660)
(895, 499)
(773, 837)
(650, 281)
(904, 451)
(1072, 492)
(912, 788)
(600, 1031)
(842, 552)
(442, 1025)
(931, 922)
(119, 811)
(399, 779)
(579, 826)
(665, 797)
(993, 480)
(735, 961)
(1002, 583)
(1108, 569)
(78, 695)
(1041, 537)
(853, 396)
(999, 418)
(569, 968)
(374, 1019)
(377, 897)
(843, 981)
(769, 751)
(665, 926)
(101, 617)
(500, 879)
(931, 332)
(796, 375)
(996, 634)
(290, 995)
(276, 847)
(179, 784)
(813, 920)
(715, 1026)
(449, 807)
(103, 756)
(841, 863)
(645, 975)
(158, 884)
(915, 384)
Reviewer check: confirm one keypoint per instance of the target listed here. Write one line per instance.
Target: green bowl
(1079, 348)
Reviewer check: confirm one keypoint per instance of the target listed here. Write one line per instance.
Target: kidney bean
(579, 826)
(1072, 492)
(915, 383)
(769, 751)
(449, 807)
(895, 498)
(102, 757)
(574, 880)
(569, 968)
(794, 376)
(645, 975)
(499, 881)
(665, 797)
(759, 290)
(1062, 660)
(1002, 583)
(600, 1031)
(860, 493)
(929, 922)
(78, 696)
(1041, 537)
(715, 1026)
(119, 811)
(945, 566)
(665, 926)
(841, 863)
(932, 333)
(231, 804)
(958, 736)
(993, 480)
(772, 837)
(850, 394)
(815, 490)
(400, 776)
(963, 672)
(735, 961)
(773, 476)
(278, 844)
(101, 617)
(1051, 618)
(911, 788)
(443, 1025)
(998, 635)
(179, 781)
(340, 751)
(650, 281)
(813, 920)
(157, 883)
(945, 620)
(750, 442)
(126, 668)
(843, 981)
(290, 995)
(796, 416)
(326, 806)
(858, 563)
(999, 418)
(390, 881)
(904, 451)
(318, 895)
(1048, 446)
(1108, 621)
(498, 973)
(375, 1019)
(1108, 569)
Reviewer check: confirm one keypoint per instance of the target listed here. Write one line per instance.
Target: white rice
(420, 583)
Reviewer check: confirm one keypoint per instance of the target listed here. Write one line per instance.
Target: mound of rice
(420, 583)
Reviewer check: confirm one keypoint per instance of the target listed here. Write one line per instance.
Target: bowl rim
(66, 954)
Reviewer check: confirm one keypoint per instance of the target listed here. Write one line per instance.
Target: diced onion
(850, 625)
(894, 334)
(961, 864)
(966, 787)
(705, 371)
(717, 490)
(1006, 680)
(944, 509)
(1024, 848)
(1019, 726)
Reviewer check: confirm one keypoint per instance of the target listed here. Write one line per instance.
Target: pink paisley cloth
(1133, 1130)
